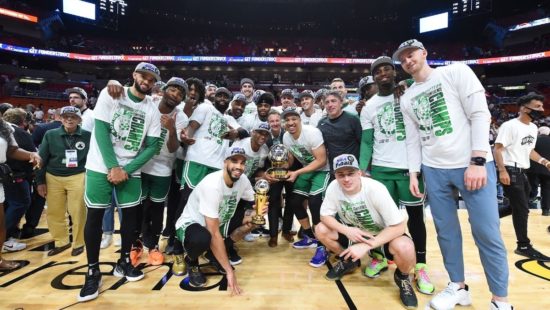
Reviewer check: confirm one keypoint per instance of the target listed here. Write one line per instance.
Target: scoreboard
(113, 7)
(464, 8)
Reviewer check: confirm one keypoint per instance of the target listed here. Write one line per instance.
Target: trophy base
(278, 173)
(258, 220)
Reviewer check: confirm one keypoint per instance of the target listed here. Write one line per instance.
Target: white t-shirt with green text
(372, 209)
(255, 160)
(212, 198)
(209, 147)
(162, 163)
(438, 118)
(302, 148)
(131, 122)
(383, 114)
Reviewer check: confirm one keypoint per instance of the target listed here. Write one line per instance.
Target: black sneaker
(125, 269)
(213, 262)
(406, 292)
(196, 278)
(90, 290)
(234, 258)
(530, 252)
(342, 268)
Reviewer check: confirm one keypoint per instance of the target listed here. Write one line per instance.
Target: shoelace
(320, 251)
(423, 275)
(448, 291)
(405, 285)
(374, 262)
(339, 267)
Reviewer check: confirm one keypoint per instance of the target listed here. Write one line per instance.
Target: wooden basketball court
(272, 278)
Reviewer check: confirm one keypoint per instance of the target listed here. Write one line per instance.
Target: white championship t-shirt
(250, 121)
(212, 198)
(162, 163)
(88, 120)
(518, 140)
(209, 147)
(383, 114)
(437, 117)
(131, 122)
(371, 209)
(312, 120)
(250, 108)
(302, 148)
(255, 160)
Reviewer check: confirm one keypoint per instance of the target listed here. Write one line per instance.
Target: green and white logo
(431, 111)
(217, 127)
(128, 126)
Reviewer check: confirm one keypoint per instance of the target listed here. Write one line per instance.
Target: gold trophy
(261, 187)
(278, 155)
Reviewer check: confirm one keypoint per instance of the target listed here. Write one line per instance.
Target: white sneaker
(250, 237)
(11, 245)
(106, 241)
(118, 241)
(500, 305)
(451, 296)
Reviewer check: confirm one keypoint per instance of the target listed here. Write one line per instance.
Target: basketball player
(305, 144)
(383, 141)
(447, 134)
(125, 137)
(368, 219)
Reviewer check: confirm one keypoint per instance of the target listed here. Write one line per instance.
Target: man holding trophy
(214, 220)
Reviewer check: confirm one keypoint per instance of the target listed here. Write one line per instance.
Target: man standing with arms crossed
(447, 127)
(125, 137)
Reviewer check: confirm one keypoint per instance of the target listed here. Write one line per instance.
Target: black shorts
(383, 250)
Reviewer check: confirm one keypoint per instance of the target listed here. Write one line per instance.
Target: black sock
(420, 257)
(94, 266)
(309, 232)
(401, 275)
(229, 243)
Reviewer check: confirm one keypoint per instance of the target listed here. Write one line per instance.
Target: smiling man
(447, 135)
(125, 137)
(358, 215)
(213, 216)
(383, 141)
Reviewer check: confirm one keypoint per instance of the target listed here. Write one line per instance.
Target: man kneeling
(213, 218)
(368, 220)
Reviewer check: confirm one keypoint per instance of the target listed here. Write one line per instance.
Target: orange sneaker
(135, 253)
(155, 257)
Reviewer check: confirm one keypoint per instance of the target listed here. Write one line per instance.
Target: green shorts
(194, 172)
(397, 183)
(311, 183)
(179, 169)
(99, 191)
(154, 187)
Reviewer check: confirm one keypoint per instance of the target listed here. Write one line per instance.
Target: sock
(401, 275)
(309, 232)
(420, 257)
(228, 243)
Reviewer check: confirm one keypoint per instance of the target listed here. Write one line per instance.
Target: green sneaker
(378, 264)
(423, 283)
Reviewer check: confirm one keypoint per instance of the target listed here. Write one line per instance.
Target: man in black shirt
(18, 194)
(341, 130)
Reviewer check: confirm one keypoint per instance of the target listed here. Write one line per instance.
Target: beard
(141, 91)
(233, 179)
(221, 107)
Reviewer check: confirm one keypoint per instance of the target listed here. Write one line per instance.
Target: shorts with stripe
(311, 183)
(154, 187)
(194, 172)
(397, 183)
(99, 191)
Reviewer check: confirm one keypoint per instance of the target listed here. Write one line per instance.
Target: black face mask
(535, 115)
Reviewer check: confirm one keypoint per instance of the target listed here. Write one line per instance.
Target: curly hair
(199, 87)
